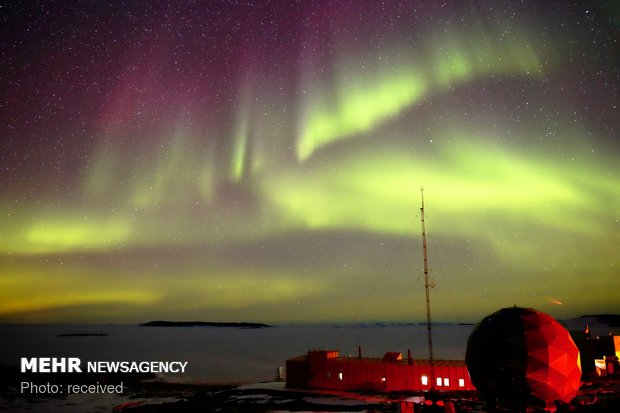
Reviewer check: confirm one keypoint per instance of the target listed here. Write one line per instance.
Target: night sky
(243, 161)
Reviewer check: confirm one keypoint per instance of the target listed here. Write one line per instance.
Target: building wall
(318, 371)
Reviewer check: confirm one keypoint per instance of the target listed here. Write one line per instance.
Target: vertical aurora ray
(207, 177)
(242, 131)
(240, 150)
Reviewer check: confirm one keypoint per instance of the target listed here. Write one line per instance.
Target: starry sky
(262, 161)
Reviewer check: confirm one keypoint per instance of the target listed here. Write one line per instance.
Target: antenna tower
(428, 300)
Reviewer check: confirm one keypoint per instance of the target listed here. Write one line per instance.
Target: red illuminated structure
(521, 357)
(326, 370)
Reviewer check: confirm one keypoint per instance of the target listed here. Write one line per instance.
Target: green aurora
(300, 203)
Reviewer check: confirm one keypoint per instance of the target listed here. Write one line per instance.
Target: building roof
(417, 362)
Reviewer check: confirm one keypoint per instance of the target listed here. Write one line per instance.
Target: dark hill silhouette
(202, 324)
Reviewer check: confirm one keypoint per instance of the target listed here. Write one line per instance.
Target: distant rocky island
(202, 324)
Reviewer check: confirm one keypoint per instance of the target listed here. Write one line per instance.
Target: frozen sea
(215, 355)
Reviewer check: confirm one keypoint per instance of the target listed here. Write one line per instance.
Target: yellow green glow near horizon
(504, 204)
(70, 234)
(278, 182)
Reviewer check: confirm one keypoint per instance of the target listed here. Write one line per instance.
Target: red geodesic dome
(553, 366)
(520, 356)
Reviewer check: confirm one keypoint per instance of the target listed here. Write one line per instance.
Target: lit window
(424, 381)
(461, 382)
(339, 376)
(438, 381)
(446, 382)
(383, 379)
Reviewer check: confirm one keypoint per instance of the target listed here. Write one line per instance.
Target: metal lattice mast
(428, 299)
